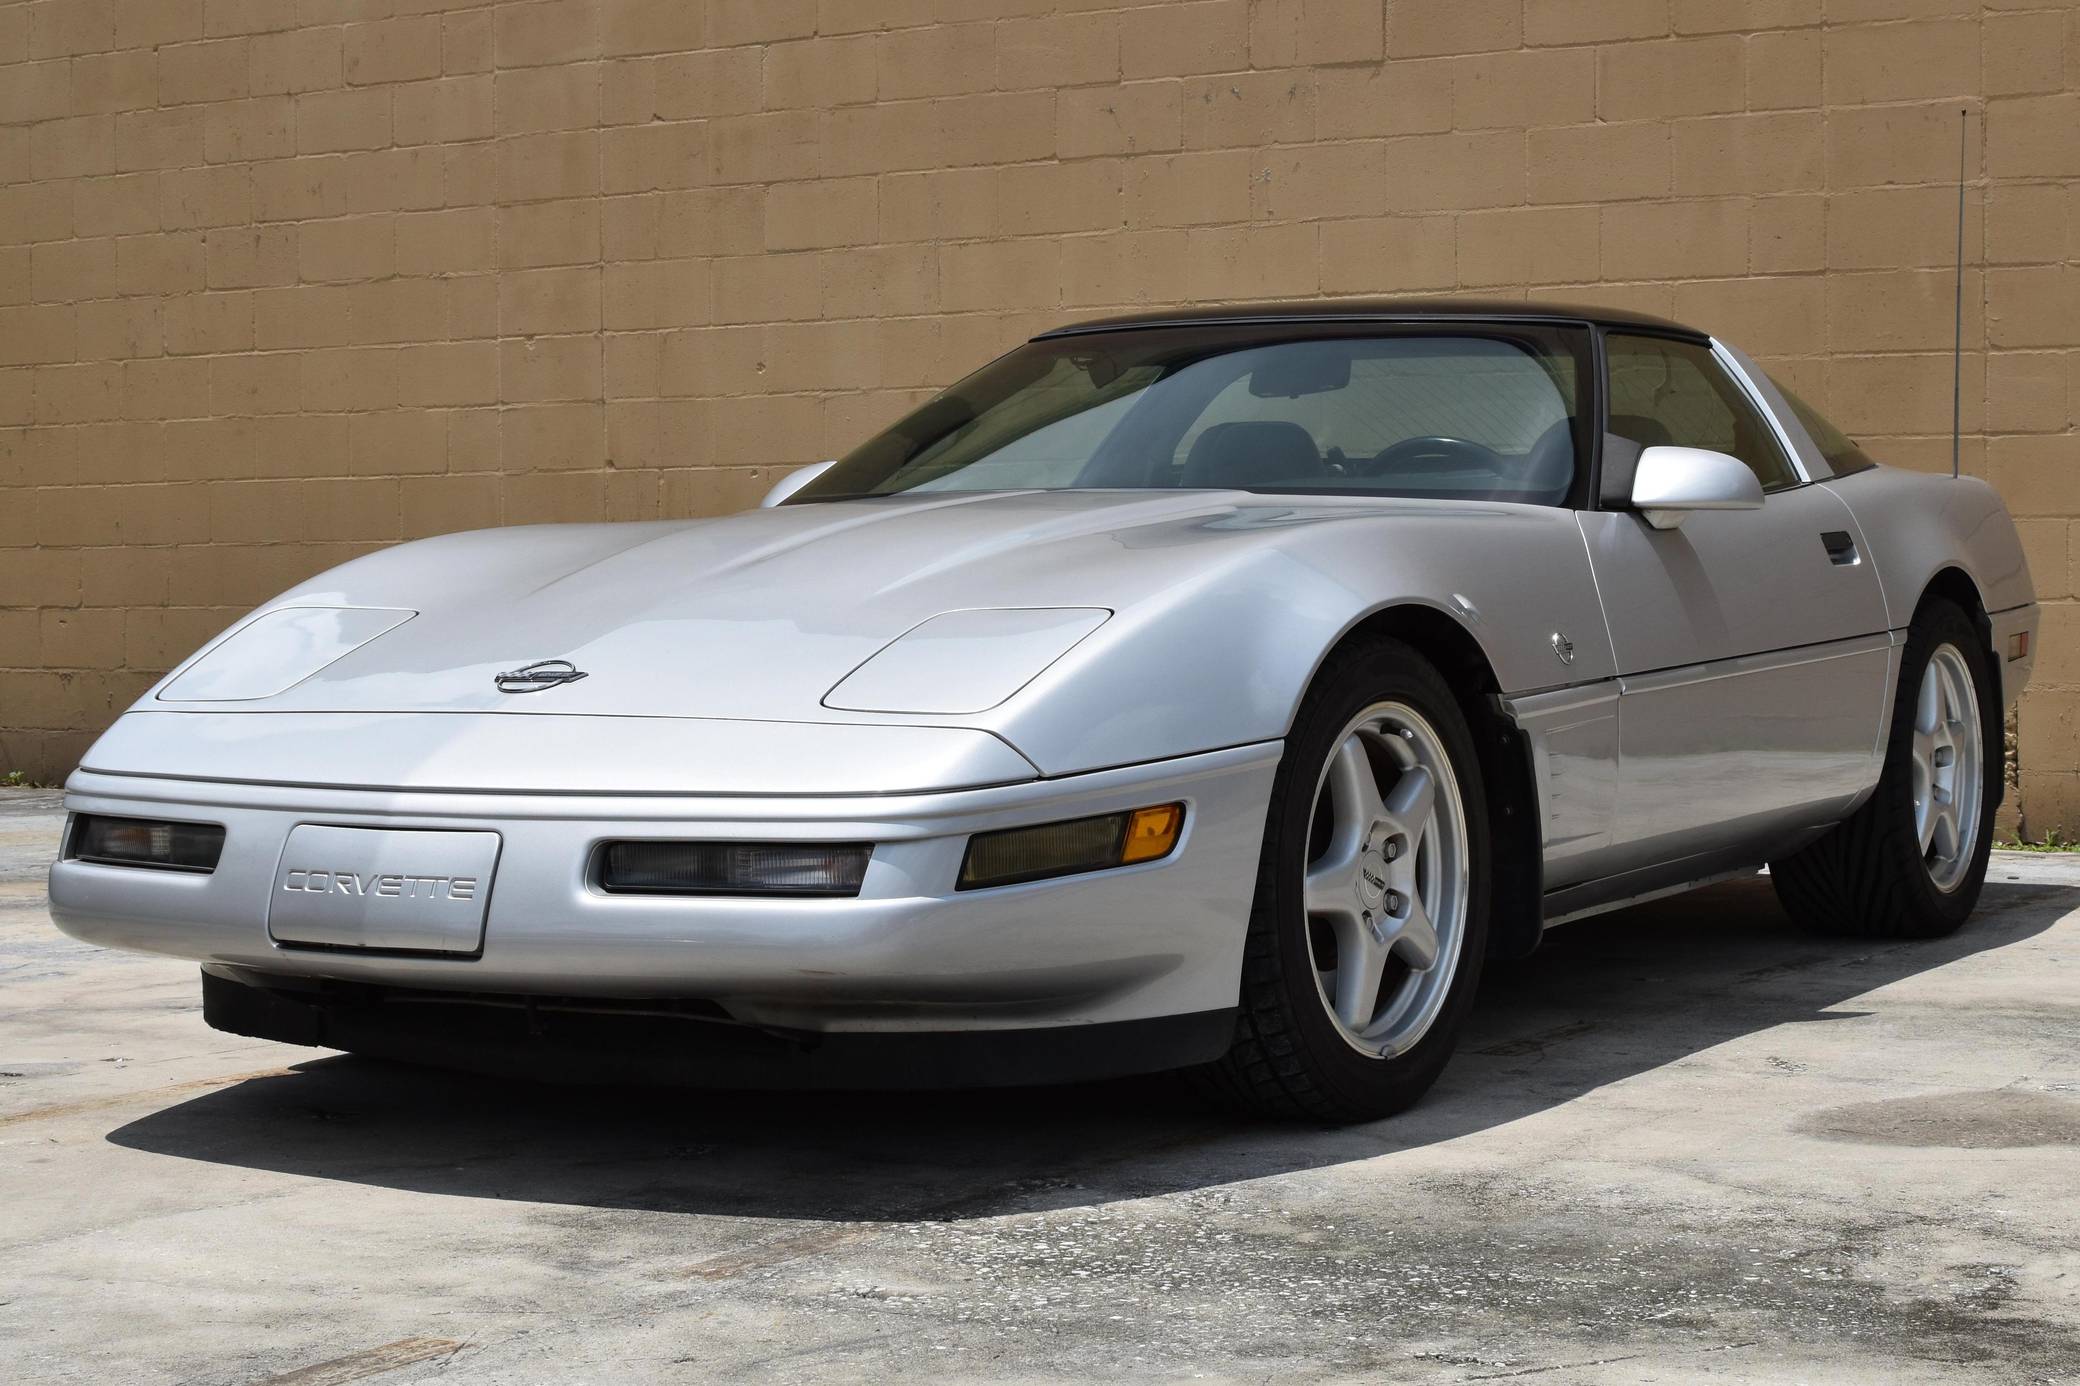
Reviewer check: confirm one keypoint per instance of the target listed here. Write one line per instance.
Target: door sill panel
(1669, 878)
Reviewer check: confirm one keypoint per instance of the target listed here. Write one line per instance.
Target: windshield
(1489, 413)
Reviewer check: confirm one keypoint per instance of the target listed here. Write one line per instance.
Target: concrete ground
(1684, 1143)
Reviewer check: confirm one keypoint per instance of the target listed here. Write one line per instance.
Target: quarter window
(1665, 391)
(1843, 456)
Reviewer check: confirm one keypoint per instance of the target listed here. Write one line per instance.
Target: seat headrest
(1251, 453)
(1647, 432)
(1549, 465)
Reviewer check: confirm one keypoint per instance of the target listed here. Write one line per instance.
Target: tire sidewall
(1387, 671)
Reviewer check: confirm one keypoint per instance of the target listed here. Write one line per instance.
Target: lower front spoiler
(608, 1041)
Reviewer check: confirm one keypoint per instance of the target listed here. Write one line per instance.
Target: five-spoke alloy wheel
(1947, 747)
(1386, 883)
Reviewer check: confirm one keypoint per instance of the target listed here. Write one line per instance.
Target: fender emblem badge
(1563, 647)
(533, 678)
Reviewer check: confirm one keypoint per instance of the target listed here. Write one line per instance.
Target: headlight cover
(274, 652)
(965, 661)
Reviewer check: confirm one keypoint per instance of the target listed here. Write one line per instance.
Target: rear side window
(1668, 392)
(1840, 450)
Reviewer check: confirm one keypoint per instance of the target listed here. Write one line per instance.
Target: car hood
(751, 616)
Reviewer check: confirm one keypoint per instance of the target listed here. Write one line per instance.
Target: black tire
(1867, 878)
(1289, 1059)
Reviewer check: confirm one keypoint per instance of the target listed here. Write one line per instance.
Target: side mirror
(1668, 483)
(795, 481)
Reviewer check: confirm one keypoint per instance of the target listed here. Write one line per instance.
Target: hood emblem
(1563, 647)
(533, 678)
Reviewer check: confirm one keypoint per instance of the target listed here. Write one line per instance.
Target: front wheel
(1371, 912)
(1911, 861)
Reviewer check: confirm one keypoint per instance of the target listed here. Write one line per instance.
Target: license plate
(380, 888)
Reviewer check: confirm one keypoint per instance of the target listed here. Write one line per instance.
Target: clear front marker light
(146, 842)
(733, 868)
(1071, 847)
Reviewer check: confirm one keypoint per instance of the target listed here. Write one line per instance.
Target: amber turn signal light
(1072, 847)
(1151, 833)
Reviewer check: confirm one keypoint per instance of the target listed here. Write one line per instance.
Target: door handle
(1841, 548)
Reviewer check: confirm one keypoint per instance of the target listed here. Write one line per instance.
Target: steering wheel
(1452, 454)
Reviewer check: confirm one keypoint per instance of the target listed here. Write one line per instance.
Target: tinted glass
(1837, 447)
(1665, 391)
(1488, 414)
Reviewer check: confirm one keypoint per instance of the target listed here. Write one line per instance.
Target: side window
(1841, 451)
(1665, 391)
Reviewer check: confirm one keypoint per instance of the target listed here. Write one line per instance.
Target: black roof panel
(1375, 309)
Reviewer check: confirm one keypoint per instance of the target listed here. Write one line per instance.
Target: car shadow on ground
(1605, 999)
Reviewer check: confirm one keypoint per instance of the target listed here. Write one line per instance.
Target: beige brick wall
(282, 281)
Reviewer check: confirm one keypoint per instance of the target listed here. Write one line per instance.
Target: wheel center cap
(1372, 878)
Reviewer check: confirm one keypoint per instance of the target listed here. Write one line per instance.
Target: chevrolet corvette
(1210, 690)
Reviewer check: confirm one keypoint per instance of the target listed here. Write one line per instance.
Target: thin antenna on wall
(1957, 343)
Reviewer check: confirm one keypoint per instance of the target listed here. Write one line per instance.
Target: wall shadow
(1605, 999)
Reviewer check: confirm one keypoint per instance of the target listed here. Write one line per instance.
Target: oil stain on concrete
(2002, 1118)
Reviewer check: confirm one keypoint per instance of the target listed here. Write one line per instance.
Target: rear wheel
(1911, 861)
(1371, 913)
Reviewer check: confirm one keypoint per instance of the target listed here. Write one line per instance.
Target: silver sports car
(1213, 689)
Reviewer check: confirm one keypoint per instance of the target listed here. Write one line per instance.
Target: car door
(1750, 645)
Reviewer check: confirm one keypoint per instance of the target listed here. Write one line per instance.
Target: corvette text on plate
(406, 887)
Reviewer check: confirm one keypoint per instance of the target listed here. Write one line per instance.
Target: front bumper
(589, 1040)
(910, 954)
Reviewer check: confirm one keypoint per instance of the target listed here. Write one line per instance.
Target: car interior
(1280, 455)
